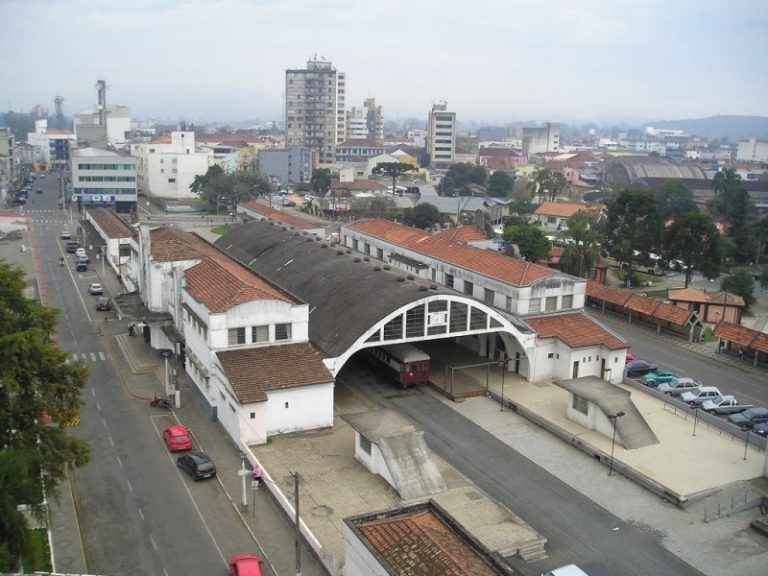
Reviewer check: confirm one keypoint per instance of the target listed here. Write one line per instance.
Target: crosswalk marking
(87, 356)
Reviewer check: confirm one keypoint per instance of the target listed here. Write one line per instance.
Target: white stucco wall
(560, 365)
(301, 408)
(358, 559)
(374, 462)
(259, 313)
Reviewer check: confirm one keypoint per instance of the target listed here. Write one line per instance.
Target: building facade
(441, 136)
(752, 150)
(90, 132)
(288, 166)
(314, 108)
(167, 166)
(52, 145)
(365, 123)
(104, 178)
(541, 140)
(7, 161)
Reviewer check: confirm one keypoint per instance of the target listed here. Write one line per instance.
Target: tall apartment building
(365, 123)
(314, 108)
(541, 140)
(441, 135)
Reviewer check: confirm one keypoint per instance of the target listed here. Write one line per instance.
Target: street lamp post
(613, 439)
(503, 364)
(695, 418)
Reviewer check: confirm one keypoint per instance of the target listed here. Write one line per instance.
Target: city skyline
(493, 62)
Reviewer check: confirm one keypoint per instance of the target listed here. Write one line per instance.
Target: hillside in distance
(732, 127)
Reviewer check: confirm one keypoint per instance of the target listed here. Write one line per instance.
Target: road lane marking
(93, 357)
(93, 391)
(98, 406)
(141, 514)
(130, 489)
(119, 461)
(104, 422)
(102, 357)
(152, 541)
(112, 442)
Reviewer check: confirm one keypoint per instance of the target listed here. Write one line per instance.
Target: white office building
(103, 178)
(752, 150)
(168, 165)
(441, 136)
(541, 140)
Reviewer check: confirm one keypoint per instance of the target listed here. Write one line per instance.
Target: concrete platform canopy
(358, 302)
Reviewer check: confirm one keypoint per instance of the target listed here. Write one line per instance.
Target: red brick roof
(642, 304)
(220, 284)
(254, 371)
(565, 209)
(607, 293)
(171, 244)
(577, 330)
(673, 314)
(486, 262)
(638, 303)
(420, 544)
(162, 140)
(745, 337)
(277, 216)
(694, 295)
(111, 223)
(462, 234)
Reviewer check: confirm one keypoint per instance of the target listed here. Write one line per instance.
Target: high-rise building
(441, 135)
(102, 126)
(541, 140)
(314, 108)
(365, 123)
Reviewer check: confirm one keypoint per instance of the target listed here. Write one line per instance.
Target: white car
(695, 397)
(95, 289)
(678, 386)
(80, 252)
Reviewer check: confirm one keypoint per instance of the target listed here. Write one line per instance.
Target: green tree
(321, 181)
(461, 175)
(764, 278)
(760, 234)
(674, 199)
(226, 190)
(39, 395)
(500, 184)
(725, 183)
(422, 216)
(528, 237)
(538, 183)
(633, 224)
(393, 170)
(741, 283)
(581, 251)
(740, 214)
(557, 185)
(693, 238)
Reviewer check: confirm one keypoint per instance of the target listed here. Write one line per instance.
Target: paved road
(578, 530)
(137, 514)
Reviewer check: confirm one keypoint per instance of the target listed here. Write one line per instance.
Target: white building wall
(168, 170)
(300, 408)
(554, 360)
(752, 150)
(358, 559)
(259, 313)
(374, 462)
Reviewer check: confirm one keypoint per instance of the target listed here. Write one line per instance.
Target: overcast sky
(491, 60)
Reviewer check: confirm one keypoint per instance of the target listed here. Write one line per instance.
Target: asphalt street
(137, 513)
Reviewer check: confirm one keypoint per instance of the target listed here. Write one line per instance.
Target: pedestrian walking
(257, 476)
(740, 354)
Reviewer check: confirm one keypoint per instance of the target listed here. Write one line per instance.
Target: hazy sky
(492, 60)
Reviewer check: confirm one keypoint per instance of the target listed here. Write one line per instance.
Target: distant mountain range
(732, 127)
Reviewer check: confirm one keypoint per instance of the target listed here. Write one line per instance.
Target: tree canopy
(741, 283)
(320, 181)
(461, 175)
(529, 238)
(393, 170)
(674, 199)
(581, 251)
(693, 238)
(633, 224)
(500, 184)
(39, 396)
(548, 184)
(221, 189)
(422, 215)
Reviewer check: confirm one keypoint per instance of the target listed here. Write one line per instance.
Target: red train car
(408, 365)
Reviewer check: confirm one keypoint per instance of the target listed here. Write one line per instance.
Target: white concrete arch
(444, 316)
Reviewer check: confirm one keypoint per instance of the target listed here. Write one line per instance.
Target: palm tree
(540, 182)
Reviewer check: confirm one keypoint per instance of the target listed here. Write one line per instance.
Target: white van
(569, 570)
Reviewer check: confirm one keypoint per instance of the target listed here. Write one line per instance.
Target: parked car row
(695, 394)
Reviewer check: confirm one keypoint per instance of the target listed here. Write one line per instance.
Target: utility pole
(297, 525)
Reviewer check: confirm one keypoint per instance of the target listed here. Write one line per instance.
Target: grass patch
(221, 230)
(707, 335)
(41, 559)
(638, 278)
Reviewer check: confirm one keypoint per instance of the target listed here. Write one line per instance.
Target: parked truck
(724, 405)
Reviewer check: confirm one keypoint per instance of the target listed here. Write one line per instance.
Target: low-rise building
(711, 307)
(287, 166)
(553, 216)
(119, 247)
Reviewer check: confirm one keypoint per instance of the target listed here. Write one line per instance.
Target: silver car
(678, 386)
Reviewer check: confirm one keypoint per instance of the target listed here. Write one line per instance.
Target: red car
(245, 565)
(177, 438)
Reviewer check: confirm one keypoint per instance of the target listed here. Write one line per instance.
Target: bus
(408, 365)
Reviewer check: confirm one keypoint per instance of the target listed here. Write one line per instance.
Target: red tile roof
(161, 140)
(254, 371)
(172, 244)
(642, 304)
(607, 293)
(111, 223)
(745, 337)
(577, 330)
(463, 234)
(420, 544)
(726, 298)
(565, 209)
(277, 216)
(220, 284)
(687, 295)
(673, 314)
(486, 262)
(638, 303)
